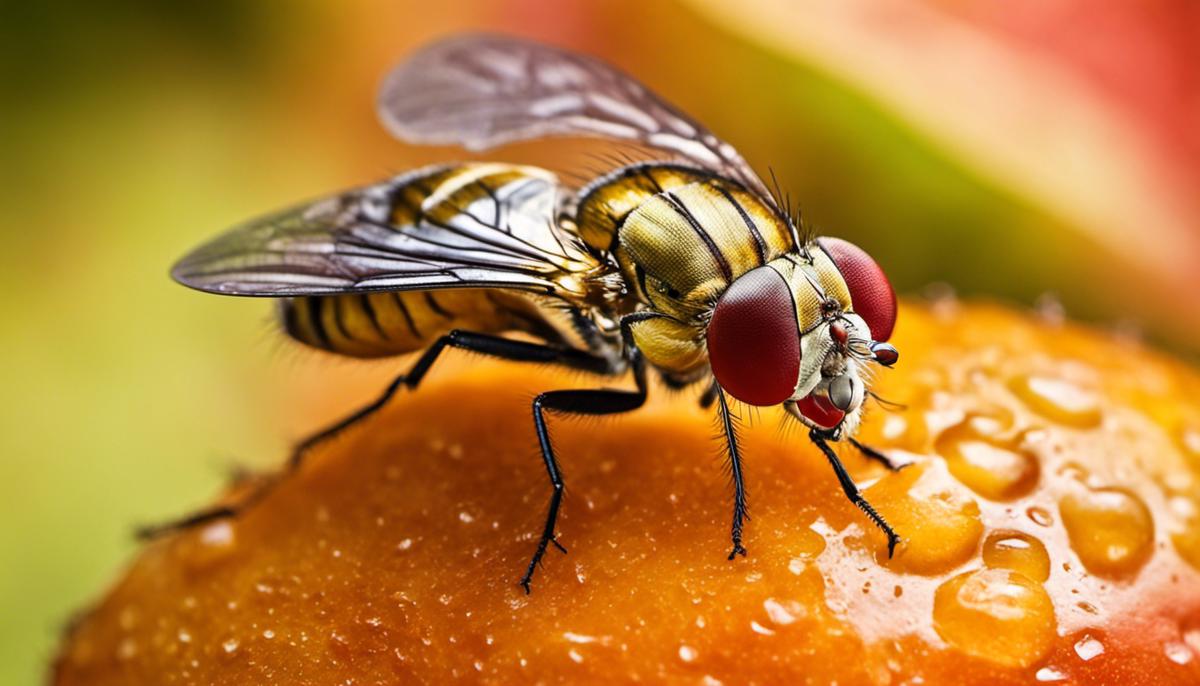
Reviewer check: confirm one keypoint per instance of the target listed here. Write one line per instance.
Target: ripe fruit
(395, 553)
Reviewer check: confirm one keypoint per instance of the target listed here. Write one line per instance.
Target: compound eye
(870, 291)
(753, 339)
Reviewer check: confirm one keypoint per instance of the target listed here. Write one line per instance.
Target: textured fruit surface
(1050, 521)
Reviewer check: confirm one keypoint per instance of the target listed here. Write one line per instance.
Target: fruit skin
(393, 557)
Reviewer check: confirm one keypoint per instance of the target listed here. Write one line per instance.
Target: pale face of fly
(834, 373)
(805, 331)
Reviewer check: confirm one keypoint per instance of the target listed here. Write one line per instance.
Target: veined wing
(447, 226)
(480, 91)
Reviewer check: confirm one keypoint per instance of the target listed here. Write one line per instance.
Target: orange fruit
(1051, 524)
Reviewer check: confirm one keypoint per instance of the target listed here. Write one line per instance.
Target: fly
(685, 267)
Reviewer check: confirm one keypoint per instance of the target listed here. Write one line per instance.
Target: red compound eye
(870, 291)
(753, 340)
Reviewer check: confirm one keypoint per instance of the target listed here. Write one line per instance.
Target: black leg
(495, 346)
(585, 402)
(851, 490)
(873, 454)
(739, 488)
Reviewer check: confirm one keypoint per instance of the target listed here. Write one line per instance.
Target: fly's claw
(893, 539)
(738, 549)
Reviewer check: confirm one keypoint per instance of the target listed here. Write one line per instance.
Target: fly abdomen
(381, 324)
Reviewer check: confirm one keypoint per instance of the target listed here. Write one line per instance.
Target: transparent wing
(460, 226)
(480, 91)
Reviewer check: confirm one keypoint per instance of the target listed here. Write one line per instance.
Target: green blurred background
(1048, 147)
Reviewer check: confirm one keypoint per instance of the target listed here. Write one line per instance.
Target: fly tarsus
(852, 492)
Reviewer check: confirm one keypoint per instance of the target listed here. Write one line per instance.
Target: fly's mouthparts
(841, 392)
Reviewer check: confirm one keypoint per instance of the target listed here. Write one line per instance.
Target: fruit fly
(686, 266)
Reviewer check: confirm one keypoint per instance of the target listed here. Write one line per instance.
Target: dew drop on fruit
(1110, 529)
(994, 468)
(1058, 400)
(1017, 551)
(939, 520)
(1088, 647)
(1178, 653)
(1050, 675)
(995, 614)
(1040, 516)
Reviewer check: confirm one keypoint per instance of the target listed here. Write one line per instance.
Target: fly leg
(851, 490)
(494, 346)
(585, 402)
(735, 462)
(875, 455)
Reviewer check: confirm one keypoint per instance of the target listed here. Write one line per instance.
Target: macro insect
(684, 265)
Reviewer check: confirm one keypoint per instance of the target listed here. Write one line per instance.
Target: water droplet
(465, 517)
(1040, 516)
(1178, 653)
(230, 646)
(1110, 529)
(994, 468)
(268, 634)
(406, 544)
(780, 614)
(1058, 400)
(938, 518)
(996, 614)
(760, 629)
(687, 653)
(184, 636)
(1050, 675)
(575, 656)
(1088, 647)
(1187, 539)
(1017, 551)
(796, 566)
(477, 665)
(1073, 471)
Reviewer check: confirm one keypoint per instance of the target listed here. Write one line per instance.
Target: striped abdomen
(380, 324)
